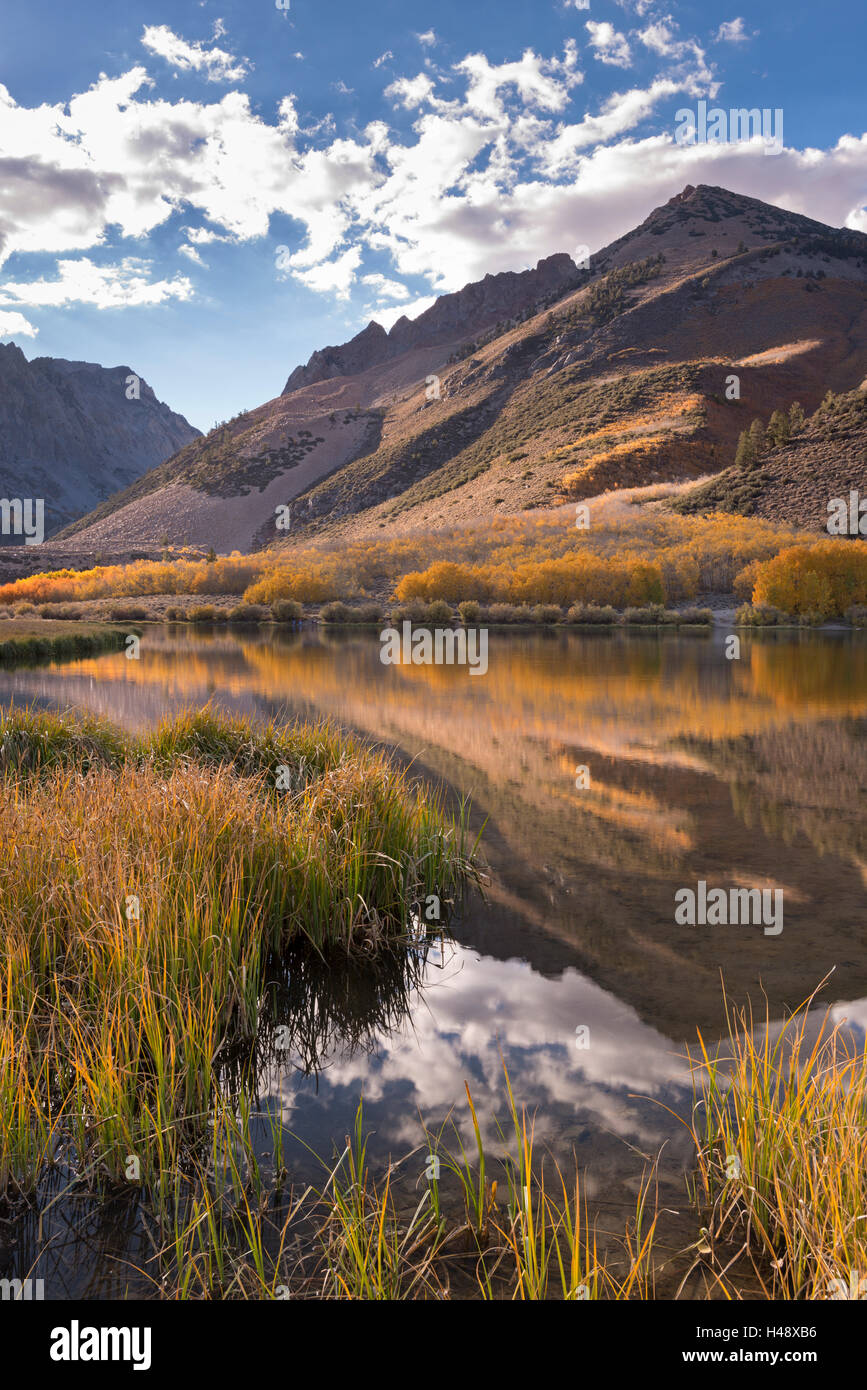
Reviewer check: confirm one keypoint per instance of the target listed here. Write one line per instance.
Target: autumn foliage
(824, 579)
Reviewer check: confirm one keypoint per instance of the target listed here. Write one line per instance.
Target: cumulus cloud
(16, 326)
(217, 65)
(501, 165)
(123, 285)
(732, 31)
(611, 47)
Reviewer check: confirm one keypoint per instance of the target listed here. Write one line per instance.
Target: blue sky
(208, 191)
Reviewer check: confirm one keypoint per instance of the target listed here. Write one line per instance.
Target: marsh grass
(780, 1129)
(61, 643)
(143, 885)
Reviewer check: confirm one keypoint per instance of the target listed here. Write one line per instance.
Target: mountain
(524, 390)
(69, 435)
(481, 304)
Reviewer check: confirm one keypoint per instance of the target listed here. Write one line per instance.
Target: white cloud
(387, 315)
(383, 58)
(16, 326)
(341, 87)
(502, 166)
(120, 286)
(217, 65)
(428, 38)
(387, 289)
(410, 92)
(732, 31)
(611, 48)
(185, 249)
(331, 277)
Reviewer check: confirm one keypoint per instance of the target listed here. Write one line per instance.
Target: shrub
(592, 613)
(336, 612)
(175, 615)
(202, 613)
(693, 617)
(287, 610)
(127, 612)
(547, 613)
(249, 613)
(24, 610)
(653, 615)
(856, 615)
(439, 612)
(413, 612)
(369, 613)
(60, 611)
(470, 611)
(508, 613)
(758, 615)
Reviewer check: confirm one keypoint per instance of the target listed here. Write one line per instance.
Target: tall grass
(143, 883)
(781, 1138)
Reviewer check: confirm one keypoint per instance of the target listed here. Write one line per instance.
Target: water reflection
(742, 773)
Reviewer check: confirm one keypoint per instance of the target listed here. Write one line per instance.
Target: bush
(508, 613)
(856, 615)
(369, 613)
(61, 611)
(758, 615)
(694, 617)
(175, 615)
(439, 612)
(287, 610)
(547, 613)
(202, 613)
(653, 615)
(24, 610)
(127, 612)
(336, 612)
(592, 613)
(249, 613)
(470, 611)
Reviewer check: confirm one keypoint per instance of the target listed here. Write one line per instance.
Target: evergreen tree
(744, 456)
(796, 417)
(778, 428)
(758, 439)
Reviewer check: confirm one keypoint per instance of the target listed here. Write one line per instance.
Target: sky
(206, 191)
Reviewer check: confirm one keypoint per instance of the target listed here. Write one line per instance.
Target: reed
(143, 884)
(780, 1128)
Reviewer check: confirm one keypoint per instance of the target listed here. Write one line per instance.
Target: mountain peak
(452, 318)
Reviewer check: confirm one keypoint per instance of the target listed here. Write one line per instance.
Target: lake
(610, 770)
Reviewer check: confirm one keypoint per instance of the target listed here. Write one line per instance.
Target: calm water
(745, 773)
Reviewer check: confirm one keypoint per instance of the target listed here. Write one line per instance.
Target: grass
(26, 642)
(144, 884)
(780, 1128)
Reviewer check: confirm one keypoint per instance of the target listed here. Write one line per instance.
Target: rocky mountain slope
(70, 435)
(795, 480)
(556, 383)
